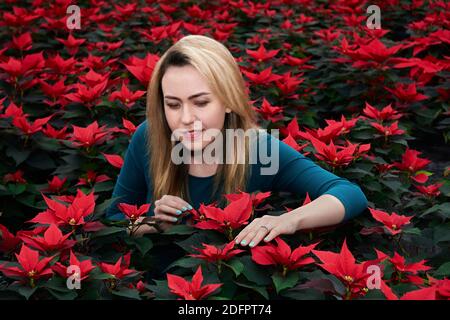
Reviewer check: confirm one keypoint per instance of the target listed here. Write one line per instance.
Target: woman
(198, 82)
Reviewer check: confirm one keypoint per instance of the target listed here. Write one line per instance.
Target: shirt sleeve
(299, 174)
(131, 186)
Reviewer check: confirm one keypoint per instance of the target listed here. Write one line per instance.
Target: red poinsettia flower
(214, 254)
(262, 54)
(257, 198)
(282, 255)
(84, 266)
(71, 43)
(330, 154)
(51, 132)
(8, 242)
(87, 95)
(89, 136)
(393, 222)
(411, 162)
(387, 113)
(22, 42)
(30, 128)
(269, 112)
(191, 290)
(133, 212)
(407, 93)
(431, 190)
(235, 215)
(404, 272)
(344, 267)
(142, 68)
(264, 78)
(439, 290)
(62, 215)
(289, 84)
(118, 270)
(56, 185)
(126, 96)
(53, 240)
(16, 177)
(390, 130)
(92, 178)
(31, 267)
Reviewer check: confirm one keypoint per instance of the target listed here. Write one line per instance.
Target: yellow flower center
(127, 100)
(72, 222)
(394, 227)
(348, 278)
(365, 290)
(31, 274)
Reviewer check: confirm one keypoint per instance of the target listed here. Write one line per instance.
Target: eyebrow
(191, 97)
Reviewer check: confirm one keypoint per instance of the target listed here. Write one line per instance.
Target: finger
(178, 203)
(262, 232)
(249, 236)
(244, 232)
(272, 235)
(168, 210)
(165, 217)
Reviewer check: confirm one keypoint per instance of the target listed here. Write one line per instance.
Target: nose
(187, 115)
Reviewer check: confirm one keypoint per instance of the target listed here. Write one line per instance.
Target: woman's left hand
(267, 228)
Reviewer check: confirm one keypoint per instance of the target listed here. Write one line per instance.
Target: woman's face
(190, 104)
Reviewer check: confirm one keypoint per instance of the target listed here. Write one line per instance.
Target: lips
(192, 135)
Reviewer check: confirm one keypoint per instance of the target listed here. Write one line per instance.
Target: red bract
(214, 254)
(133, 212)
(404, 272)
(262, 54)
(62, 215)
(71, 43)
(56, 185)
(118, 270)
(8, 242)
(191, 290)
(114, 159)
(87, 95)
(439, 290)
(407, 93)
(142, 68)
(89, 136)
(30, 128)
(31, 267)
(59, 65)
(20, 18)
(55, 91)
(269, 112)
(22, 42)
(431, 190)
(265, 77)
(22, 68)
(411, 162)
(390, 130)
(53, 240)
(288, 84)
(92, 178)
(85, 267)
(282, 255)
(331, 155)
(127, 97)
(51, 132)
(16, 177)
(235, 215)
(344, 267)
(392, 222)
(387, 113)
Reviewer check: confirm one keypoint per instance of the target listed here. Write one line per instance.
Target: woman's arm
(324, 211)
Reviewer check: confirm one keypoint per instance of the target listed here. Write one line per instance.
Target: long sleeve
(299, 174)
(131, 185)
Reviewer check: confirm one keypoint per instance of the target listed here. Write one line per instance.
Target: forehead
(183, 82)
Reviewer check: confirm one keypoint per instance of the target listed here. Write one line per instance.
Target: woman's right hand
(168, 210)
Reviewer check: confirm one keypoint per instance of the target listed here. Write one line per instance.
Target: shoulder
(274, 144)
(140, 135)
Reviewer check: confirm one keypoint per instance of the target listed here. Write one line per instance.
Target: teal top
(296, 174)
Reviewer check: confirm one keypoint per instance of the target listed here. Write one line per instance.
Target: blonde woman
(197, 86)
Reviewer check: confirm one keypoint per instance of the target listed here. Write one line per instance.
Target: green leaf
(186, 262)
(254, 272)
(68, 295)
(261, 290)
(143, 244)
(127, 293)
(107, 231)
(415, 231)
(17, 189)
(444, 270)
(282, 283)
(235, 265)
(27, 292)
(180, 229)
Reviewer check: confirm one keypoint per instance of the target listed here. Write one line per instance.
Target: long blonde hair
(213, 60)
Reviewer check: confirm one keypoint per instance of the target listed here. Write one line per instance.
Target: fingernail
(243, 242)
(252, 244)
(266, 239)
(237, 241)
(189, 207)
(184, 209)
(174, 219)
(178, 211)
